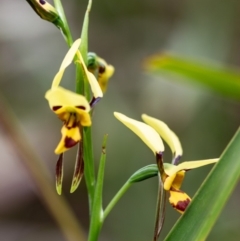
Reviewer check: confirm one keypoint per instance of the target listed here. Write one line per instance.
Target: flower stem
(82, 87)
(116, 198)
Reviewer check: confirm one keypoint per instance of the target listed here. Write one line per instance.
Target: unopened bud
(46, 11)
(100, 69)
(144, 173)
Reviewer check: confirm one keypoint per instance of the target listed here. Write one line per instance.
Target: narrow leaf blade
(225, 81)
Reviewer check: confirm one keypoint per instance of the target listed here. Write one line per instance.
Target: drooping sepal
(78, 170)
(59, 174)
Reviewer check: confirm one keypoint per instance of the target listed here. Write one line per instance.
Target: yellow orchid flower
(73, 110)
(172, 175)
(101, 69)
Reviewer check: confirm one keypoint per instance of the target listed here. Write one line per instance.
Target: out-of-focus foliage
(219, 79)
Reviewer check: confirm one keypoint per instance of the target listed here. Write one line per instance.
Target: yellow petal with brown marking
(70, 137)
(179, 200)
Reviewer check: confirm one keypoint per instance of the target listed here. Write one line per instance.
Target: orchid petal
(66, 62)
(194, 164)
(166, 133)
(95, 87)
(62, 97)
(179, 200)
(172, 169)
(103, 77)
(148, 135)
(173, 179)
(70, 137)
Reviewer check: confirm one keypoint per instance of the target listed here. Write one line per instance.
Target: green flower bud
(144, 173)
(92, 64)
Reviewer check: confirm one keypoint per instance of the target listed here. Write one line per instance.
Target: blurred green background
(124, 33)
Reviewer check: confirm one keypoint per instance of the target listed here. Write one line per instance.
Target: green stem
(65, 29)
(82, 87)
(116, 198)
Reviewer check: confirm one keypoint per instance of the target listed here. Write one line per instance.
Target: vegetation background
(124, 33)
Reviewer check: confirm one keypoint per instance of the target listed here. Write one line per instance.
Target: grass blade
(225, 81)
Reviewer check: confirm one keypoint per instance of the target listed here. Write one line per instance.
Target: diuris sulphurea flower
(172, 175)
(101, 69)
(74, 111)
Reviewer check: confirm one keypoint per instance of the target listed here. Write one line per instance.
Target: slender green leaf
(225, 81)
(199, 218)
(84, 34)
(97, 210)
(64, 24)
(82, 84)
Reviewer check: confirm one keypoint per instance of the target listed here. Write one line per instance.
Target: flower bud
(46, 11)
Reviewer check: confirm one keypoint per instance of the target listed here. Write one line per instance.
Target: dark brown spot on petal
(182, 205)
(81, 107)
(42, 2)
(56, 107)
(101, 69)
(69, 142)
